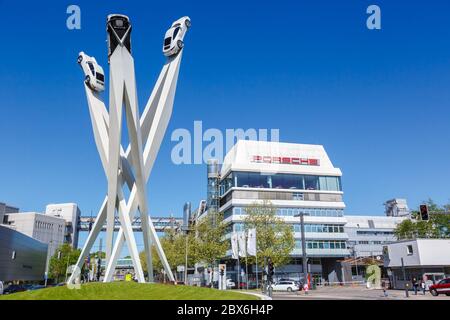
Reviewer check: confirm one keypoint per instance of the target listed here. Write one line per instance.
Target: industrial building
(27, 233)
(21, 257)
(407, 259)
(5, 209)
(368, 234)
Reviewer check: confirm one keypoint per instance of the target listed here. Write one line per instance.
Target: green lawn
(128, 291)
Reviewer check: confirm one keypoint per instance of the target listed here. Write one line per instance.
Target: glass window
(176, 32)
(311, 183)
(100, 77)
(91, 66)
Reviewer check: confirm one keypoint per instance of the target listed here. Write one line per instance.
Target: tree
(63, 257)
(174, 246)
(438, 225)
(274, 237)
(209, 240)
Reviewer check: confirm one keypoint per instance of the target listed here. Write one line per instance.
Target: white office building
(71, 215)
(41, 227)
(368, 234)
(294, 178)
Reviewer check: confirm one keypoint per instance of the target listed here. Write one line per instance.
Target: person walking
(423, 285)
(306, 288)
(415, 285)
(384, 285)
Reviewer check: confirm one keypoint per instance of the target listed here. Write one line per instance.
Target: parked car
(285, 286)
(94, 76)
(13, 288)
(297, 282)
(442, 286)
(173, 39)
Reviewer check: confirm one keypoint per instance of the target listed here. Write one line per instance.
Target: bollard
(407, 290)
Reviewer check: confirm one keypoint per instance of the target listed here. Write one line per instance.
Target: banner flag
(242, 244)
(234, 246)
(251, 242)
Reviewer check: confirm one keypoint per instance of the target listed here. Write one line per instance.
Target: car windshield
(100, 77)
(176, 32)
(167, 41)
(91, 66)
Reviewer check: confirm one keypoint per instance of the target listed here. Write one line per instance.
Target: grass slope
(128, 291)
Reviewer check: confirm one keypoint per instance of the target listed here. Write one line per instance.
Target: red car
(442, 286)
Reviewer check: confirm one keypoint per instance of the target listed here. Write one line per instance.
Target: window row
(321, 244)
(280, 181)
(375, 233)
(291, 212)
(329, 228)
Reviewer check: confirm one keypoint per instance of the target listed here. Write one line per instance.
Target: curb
(259, 295)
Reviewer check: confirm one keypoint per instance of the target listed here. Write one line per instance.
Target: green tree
(174, 246)
(274, 237)
(438, 225)
(64, 256)
(209, 238)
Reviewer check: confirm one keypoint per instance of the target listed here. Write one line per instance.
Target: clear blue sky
(377, 100)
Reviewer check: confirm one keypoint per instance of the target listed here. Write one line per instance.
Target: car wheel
(434, 292)
(187, 23)
(289, 289)
(447, 294)
(80, 58)
(87, 79)
(180, 44)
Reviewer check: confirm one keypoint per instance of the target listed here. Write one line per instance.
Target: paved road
(353, 293)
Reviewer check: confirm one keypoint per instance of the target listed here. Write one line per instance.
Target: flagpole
(256, 257)
(238, 273)
(246, 269)
(246, 258)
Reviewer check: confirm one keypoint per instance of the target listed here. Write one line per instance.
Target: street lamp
(304, 258)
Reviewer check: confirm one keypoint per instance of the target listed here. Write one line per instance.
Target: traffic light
(270, 270)
(222, 270)
(424, 212)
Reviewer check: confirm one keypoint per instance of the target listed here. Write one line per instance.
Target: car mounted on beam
(118, 27)
(173, 40)
(93, 72)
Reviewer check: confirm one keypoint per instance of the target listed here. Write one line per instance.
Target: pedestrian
(1, 287)
(415, 285)
(423, 286)
(384, 285)
(306, 288)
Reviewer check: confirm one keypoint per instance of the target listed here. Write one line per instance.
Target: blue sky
(377, 100)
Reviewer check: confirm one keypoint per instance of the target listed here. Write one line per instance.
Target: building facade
(71, 215)
(5, 209)
(294, 178)
(44, 228)
(21, 257)
(417, 258)
(368, 234)
(397, 208)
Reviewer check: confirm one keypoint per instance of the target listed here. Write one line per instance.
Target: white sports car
(173, 40)
(93, 72)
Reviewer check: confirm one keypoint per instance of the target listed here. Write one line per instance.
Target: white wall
(426, 252)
